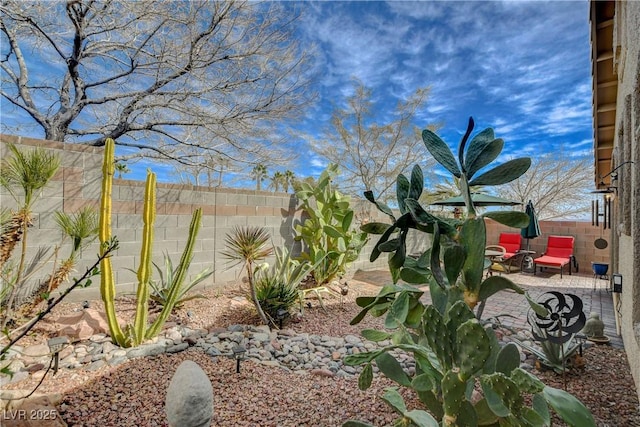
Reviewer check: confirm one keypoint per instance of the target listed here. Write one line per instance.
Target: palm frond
(29, 171)
(81, 227)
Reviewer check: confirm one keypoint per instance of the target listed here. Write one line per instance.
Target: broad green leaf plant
(463, 377)
(331, 243)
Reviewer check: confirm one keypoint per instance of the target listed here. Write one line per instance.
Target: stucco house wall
(626, 232)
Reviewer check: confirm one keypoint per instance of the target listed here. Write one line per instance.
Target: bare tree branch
(371, 155)
(557, 184)
(152, 74)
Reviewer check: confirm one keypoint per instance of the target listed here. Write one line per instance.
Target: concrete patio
(593, 292)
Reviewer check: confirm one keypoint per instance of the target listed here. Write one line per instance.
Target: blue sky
(522, 68)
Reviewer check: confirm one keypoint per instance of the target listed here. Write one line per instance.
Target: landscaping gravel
(294, 377)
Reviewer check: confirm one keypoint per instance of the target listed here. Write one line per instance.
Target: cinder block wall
(77, 184)
(585, 235)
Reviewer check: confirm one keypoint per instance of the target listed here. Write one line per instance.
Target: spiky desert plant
(82, 229)
(160, 289)
(463, 376)
(23, 174)
(248, 245)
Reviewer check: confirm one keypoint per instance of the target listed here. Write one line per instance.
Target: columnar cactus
(453, 351)
(140, 330)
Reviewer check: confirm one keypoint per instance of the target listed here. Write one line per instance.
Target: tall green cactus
(107, 281)
(140, 330)
(453, 351)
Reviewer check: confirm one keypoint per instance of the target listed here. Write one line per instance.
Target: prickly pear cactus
(463, 376)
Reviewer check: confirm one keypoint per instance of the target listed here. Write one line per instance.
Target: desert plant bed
(132, 393)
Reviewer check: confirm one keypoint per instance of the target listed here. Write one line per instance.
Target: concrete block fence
(584, 233)
(77, 184)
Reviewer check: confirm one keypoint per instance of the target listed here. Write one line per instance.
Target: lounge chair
(511, 258)
(558, 254)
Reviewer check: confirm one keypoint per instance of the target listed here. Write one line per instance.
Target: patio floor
(594, 294)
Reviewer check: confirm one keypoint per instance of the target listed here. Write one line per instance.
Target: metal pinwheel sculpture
(564, 318)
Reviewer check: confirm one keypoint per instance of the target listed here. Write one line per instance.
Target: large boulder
(189, 401)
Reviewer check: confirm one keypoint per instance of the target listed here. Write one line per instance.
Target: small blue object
(599, 269)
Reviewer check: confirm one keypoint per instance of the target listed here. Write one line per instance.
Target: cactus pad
(473, 348)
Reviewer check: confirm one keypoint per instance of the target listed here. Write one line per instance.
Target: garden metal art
(563, 319)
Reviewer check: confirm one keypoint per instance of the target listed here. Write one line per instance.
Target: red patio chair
(558, 254)
(511, 259)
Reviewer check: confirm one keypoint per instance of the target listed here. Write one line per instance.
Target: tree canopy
(558, 186)
(166, 79)
(371, 151)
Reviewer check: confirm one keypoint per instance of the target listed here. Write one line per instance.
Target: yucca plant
(161, 288)
(82, 229)
(248, 245)
(23, 174)
(275, 295)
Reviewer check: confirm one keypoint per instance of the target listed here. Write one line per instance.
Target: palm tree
(29, 172)
(259, 173)
(289, 177)
(121, 168)
(277, 180)
(248, 245)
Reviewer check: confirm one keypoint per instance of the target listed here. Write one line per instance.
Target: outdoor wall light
(55, 346)
(238, 354)
(281, 314)
(617, 283)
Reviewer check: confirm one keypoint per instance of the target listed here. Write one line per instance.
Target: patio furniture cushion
(511, 243)
(558, 254)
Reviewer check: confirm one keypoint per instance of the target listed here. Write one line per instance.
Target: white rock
(189, 401)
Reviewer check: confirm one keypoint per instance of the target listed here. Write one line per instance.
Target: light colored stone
(83, 325)
(322, 372)
(189, 401)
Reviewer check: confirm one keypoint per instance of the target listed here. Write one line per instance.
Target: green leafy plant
(249, 245)
(330, 242)
(161, 289)
(135, 334)
(82, 229)
(277, 286)
(463, 376)
(23, 174)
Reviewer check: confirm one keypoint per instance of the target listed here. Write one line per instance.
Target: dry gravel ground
(133, 393)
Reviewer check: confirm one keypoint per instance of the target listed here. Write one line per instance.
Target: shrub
(331, 244)
(161, 289)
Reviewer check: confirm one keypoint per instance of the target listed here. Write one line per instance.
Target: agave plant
(160, 289)
(248, 245)
(463, 376)
(277, 286)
